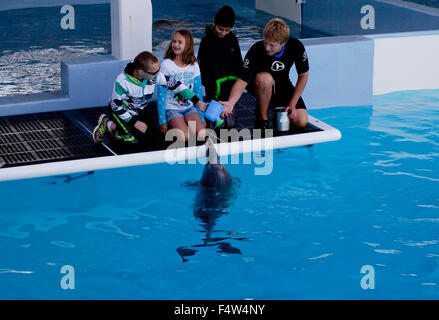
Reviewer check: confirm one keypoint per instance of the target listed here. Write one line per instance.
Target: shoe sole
(96, 129)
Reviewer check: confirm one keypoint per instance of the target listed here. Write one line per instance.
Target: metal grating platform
(43, 137)
(244, 111)
(56, 136)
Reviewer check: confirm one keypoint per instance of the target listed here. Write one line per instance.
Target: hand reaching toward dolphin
(228, 108)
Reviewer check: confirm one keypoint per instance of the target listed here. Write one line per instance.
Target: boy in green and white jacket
(129, 121)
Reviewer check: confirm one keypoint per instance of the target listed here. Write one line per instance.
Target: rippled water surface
(302, 232)
(33, 42)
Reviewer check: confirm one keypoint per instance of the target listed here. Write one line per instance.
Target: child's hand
(202, 105)
(141, 126)
(164, 128)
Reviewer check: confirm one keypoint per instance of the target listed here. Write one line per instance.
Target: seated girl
(175, 110)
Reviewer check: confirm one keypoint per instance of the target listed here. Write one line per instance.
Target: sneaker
(125, 137)
(100, 130)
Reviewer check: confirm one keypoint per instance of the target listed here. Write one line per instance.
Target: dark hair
(225, 17)
(144, 59)
(188, 55)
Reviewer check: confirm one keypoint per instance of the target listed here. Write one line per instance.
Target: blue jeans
(173, 113)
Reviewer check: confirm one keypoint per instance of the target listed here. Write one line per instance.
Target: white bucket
(282, 119)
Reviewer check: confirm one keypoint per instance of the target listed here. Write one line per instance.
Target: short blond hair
(276, 30)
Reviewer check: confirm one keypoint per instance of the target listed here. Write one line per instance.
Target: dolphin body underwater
(216, 189)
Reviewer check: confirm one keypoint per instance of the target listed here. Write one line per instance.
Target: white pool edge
(170, 156)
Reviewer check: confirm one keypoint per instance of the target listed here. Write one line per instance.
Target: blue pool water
(303, 232)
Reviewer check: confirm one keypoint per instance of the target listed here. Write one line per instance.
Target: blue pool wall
(340, 74)
(344, 71)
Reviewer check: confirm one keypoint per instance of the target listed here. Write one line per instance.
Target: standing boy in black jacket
(220, 58)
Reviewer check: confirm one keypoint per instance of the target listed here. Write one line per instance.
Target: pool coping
(173, 155)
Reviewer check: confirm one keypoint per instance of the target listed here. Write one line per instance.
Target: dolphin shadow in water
(215, 192)
(69, 178)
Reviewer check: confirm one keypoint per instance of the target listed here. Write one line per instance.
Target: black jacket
(219, 59)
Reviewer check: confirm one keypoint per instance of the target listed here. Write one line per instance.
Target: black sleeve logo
(305, 56)
(246, 63)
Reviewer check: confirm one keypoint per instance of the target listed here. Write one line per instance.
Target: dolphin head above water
(215, 175)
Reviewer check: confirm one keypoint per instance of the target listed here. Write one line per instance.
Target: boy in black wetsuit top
(266, 75)
(220, 58)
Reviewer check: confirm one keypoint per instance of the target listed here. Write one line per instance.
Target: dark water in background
(33, 42)
(429, 3)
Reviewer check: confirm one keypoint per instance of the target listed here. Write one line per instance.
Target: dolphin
(215, 175)
(215, 190)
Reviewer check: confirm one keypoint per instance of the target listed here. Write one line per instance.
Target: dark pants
(281, 95)
(152, 139)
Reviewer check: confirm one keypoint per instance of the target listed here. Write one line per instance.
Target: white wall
(131, 28)
(407, 61)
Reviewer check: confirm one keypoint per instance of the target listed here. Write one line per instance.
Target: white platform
(327, 134)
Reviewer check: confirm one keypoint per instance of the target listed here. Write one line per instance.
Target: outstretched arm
(179, 87)
(161, 104)
(300, 87)
(237, 90)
